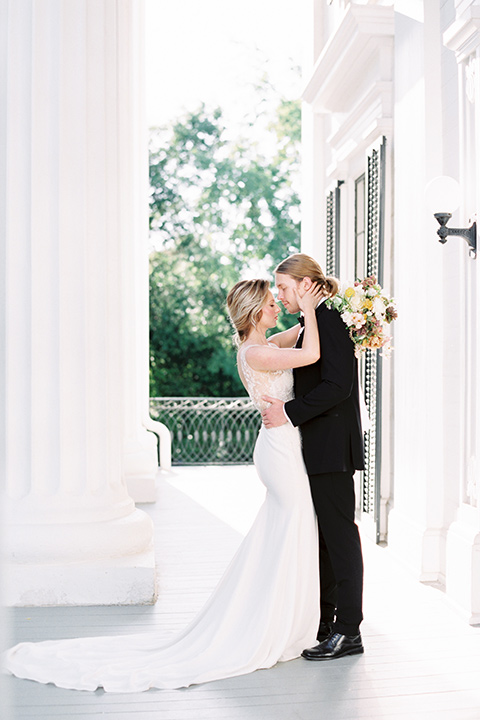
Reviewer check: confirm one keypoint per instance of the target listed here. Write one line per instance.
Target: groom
(326, 408)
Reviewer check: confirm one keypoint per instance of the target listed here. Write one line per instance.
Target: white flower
(379, 308)
(358, 320)
(387, 348)
(347, 318)
(356, 302)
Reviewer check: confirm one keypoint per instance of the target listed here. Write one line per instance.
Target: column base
(140, 467)
(142, 489)
(112, 581)
(107, 561)
(420, 549)
(463, 564)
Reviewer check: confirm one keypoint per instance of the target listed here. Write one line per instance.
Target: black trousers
(341, 562)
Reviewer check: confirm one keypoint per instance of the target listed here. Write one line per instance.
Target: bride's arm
(287, 338)
(262, 357)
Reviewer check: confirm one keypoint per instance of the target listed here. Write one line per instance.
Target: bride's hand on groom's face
(311, 297)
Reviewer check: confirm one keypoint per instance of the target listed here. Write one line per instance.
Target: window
(332, 262)
(371, 260)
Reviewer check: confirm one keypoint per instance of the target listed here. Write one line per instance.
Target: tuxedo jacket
(326, 405)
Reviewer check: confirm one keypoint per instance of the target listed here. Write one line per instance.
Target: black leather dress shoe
(324, 631)
(335, 646)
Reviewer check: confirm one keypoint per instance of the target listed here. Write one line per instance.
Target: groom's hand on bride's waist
(274, 415)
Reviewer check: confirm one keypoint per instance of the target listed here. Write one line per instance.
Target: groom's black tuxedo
(326, 408)
(326, 405)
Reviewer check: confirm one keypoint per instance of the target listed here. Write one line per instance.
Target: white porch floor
(421, 660)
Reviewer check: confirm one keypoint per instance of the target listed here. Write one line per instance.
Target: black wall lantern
(443, 194)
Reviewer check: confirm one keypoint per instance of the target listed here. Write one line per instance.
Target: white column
(74, 534)
(140, 449)
(5, 640)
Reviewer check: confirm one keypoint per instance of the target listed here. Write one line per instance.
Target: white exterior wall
(416, 525)
(429, 462)
(347, 111)
(462, 38)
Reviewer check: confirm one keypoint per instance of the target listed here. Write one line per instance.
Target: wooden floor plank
(422, 659)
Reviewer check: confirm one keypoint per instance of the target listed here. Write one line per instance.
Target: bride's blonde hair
(245, 303)
(300, 265)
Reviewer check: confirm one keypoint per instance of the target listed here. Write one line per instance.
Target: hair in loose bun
(300, 265)
(245, 303)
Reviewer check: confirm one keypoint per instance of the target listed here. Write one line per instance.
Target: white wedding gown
(264, 610)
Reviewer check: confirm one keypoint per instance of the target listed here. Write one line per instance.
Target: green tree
(219, 209)
(191, 351)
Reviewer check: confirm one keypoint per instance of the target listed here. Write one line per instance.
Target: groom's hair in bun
(299, 266)
(245, 303)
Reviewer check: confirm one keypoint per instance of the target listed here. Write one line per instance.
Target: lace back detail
(276, 383)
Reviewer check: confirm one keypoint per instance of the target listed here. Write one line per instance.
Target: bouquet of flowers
(366, 311)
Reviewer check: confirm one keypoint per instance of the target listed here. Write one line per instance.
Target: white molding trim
(463, 36)
(370, 118)
(363, 30)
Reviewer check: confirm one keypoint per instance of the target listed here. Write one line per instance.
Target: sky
(213, 51)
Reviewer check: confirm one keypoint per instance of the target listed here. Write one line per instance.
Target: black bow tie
(301, 320)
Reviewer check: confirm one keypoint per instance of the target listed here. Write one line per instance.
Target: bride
(266, 607)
